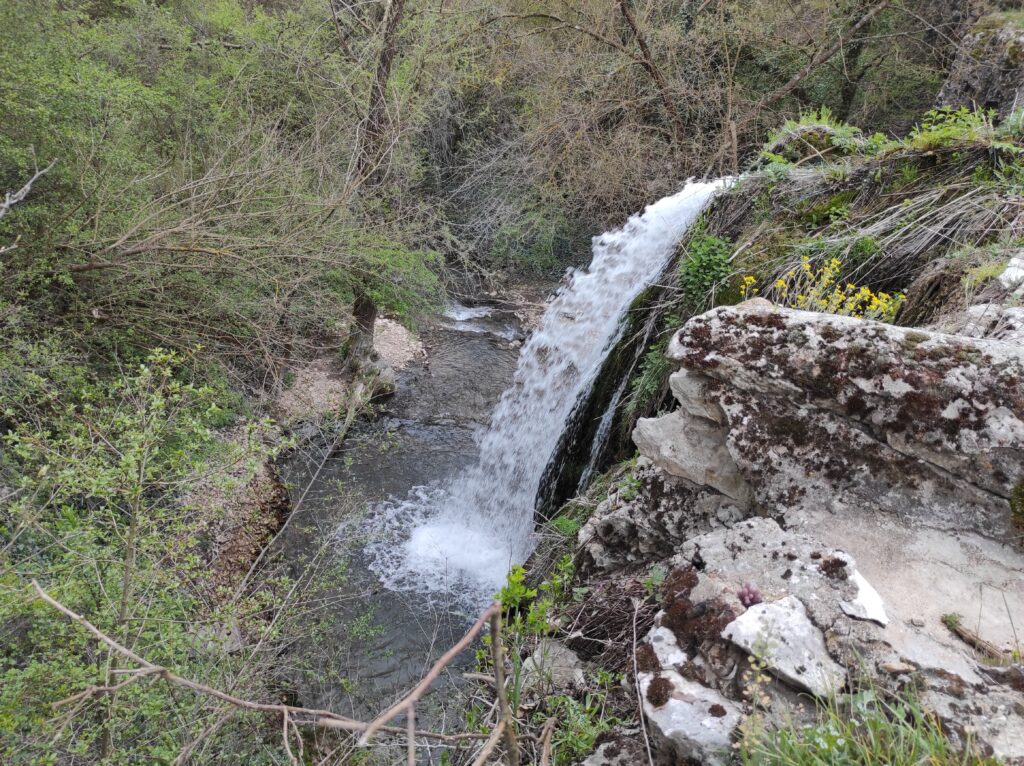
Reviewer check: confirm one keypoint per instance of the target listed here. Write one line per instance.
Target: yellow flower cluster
(820, 290)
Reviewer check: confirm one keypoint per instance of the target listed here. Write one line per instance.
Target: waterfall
(462, 537)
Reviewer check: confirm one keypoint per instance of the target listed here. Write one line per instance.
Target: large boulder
(827, 493)
(834, 413)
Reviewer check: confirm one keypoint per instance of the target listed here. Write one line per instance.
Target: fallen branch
(545, 740)
(971, 638)
(412, 697)
(292, 714)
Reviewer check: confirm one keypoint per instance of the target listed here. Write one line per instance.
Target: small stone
(868, 605)
(695, 723)
(897, 668)
(917, 622)
(553, 666)
(782, 635)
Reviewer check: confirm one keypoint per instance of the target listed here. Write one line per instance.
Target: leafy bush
(705, 267)
(98, 512)
(515, 593)
(941, 128)
(580, 723)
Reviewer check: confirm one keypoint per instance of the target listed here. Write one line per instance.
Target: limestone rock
(782, 563)
(666, 647)
(691, 448)
(867, 604)
(995, 321)
(687, 719)
(690, 390)
(1013, 278)
(781, 634)
(650, 522)
(552, 666)
(859, 414)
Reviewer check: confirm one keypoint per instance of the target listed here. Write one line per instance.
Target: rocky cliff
(826, 494)
(989, 69)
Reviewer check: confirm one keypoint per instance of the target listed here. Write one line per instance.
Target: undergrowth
(860, 729)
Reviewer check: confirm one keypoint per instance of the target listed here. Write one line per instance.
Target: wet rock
(781, 635)
(688, 720)
(989, 69)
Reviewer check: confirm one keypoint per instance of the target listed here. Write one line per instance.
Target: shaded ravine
(465, 461)
(377, 642)
(459, 539)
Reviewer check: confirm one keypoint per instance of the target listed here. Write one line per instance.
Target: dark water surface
(375, 644)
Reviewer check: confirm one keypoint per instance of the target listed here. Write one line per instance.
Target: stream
(429, 505)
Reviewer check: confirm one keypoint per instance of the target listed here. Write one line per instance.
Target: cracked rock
(781, 634)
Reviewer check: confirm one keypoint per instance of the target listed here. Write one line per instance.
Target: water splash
(461, 538)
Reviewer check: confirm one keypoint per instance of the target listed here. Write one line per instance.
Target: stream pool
(377, 642)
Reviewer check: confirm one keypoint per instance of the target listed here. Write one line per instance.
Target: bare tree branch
(13, 198)
(295, 715)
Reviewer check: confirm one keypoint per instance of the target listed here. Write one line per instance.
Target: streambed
(438, 497)
(377, 642)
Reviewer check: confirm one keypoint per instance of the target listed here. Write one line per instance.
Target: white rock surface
(666, 647)
(781, 634)
(691, 448)
(695, 723)
(1013, 277)
(688, 388)
(868, 605)
(552, 665)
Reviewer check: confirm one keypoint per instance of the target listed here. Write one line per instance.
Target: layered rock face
(989, 69)
(879, 471)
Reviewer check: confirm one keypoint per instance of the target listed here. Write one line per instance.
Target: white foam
(461, 538)
(460, 313)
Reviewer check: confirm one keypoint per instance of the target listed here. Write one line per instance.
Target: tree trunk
(364, 311)
(647, 62)
(373, 151)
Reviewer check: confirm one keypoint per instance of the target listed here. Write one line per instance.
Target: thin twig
(498, 655)
(298, 715)
(639, 697)
(490, 744)
(545, 740)
(411, 698)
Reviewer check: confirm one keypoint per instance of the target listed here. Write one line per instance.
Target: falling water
(461, 538)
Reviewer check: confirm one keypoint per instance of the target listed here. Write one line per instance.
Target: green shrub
(645, 386)
(705, 268)
(941, 128)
